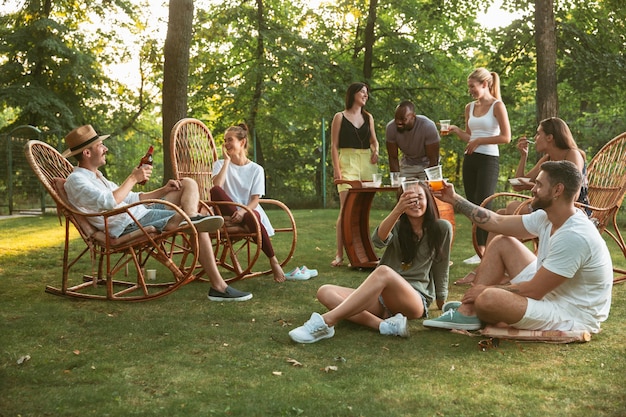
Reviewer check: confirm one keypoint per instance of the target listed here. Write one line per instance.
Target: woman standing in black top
(354, 148)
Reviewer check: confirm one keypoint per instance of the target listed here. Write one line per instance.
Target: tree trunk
(258, 84)
(545, 39)
(175, 72)
(369, 41)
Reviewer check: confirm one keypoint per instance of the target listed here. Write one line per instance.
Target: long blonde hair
(493, 80)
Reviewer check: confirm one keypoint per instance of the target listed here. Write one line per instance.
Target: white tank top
(484, 126)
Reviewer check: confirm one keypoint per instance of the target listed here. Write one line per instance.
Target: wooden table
(355, 226)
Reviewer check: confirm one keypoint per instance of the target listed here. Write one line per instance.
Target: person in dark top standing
(354, 149)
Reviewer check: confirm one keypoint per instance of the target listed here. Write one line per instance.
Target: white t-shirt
(483, 127)
(242, 182)
(575, 251)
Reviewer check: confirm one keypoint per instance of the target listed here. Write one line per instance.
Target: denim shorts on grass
(389, 314)
(157, 215)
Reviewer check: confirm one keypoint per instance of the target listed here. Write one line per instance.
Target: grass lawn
(183, 355)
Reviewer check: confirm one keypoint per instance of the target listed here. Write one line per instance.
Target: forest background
(283, 67)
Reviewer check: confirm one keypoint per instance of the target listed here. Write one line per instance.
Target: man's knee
(495, 305)
(188, 184)
(488, 301)
(502, 243)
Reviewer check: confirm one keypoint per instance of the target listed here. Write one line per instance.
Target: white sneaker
(312, 272)
(474, 260)
(394, 326)
(297, 275)
(313, 330)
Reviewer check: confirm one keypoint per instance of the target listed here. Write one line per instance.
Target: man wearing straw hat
(90, 192)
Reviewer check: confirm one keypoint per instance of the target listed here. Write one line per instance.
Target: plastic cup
(151, 274)
(394, 177)
(377, 179)
(435, 177)
(410, 185)
(445, 127)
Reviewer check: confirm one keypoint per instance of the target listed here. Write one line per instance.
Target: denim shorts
(389, 314)
(157, 215)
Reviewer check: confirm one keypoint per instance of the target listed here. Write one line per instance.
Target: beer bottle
(146, 160)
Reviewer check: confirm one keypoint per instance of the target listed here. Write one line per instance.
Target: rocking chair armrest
(126, 210)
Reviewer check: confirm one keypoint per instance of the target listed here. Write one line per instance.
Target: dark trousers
(218, 194)
(480, 177)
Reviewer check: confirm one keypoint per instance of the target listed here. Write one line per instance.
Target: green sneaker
(452, 319)
(450, 304)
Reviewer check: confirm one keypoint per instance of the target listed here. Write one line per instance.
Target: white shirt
(483, 127)
(242, 182)
(90, 192)
(575, 251)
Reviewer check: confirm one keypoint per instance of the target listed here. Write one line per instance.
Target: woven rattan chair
(193, 153)
(607, 186)
(116, 268)
(606, 177)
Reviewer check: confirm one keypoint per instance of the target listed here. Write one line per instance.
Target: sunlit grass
(183, 355)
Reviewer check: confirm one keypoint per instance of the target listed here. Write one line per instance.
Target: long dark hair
(409, 242)
(560, 131)
(352, 90)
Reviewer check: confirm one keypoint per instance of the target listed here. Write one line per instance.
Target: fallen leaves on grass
(283, 322)
(23, 359)
(293, 362)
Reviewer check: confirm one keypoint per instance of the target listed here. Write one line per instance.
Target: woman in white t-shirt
(486, 127)
(236, 178)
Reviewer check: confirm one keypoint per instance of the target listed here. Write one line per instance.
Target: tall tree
(545, 40)
(176, 71)
(259, 75)
(370, 38)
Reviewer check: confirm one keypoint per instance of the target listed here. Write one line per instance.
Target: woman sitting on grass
(412, 273)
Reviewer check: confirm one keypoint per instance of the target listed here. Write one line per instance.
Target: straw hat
(81, 138)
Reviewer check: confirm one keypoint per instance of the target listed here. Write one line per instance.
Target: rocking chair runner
(121, 262)
(606, 177)
(193, 153)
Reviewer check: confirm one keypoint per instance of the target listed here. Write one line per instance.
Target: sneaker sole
(295, 277)
(209, 224)
(244, 298)
(451, 326)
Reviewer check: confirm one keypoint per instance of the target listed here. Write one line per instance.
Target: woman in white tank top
(486, 127)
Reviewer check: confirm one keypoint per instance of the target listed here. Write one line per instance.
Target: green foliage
(284, 68)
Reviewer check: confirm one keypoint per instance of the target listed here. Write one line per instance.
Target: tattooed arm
(485, 218)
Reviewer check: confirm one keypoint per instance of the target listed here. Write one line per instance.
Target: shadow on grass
(184, 355)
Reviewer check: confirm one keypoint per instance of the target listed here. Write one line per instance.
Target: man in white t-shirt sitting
(566, 286)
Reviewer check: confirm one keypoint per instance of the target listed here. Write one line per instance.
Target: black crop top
(351, 137)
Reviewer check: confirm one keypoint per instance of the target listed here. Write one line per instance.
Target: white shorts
(549, 314)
